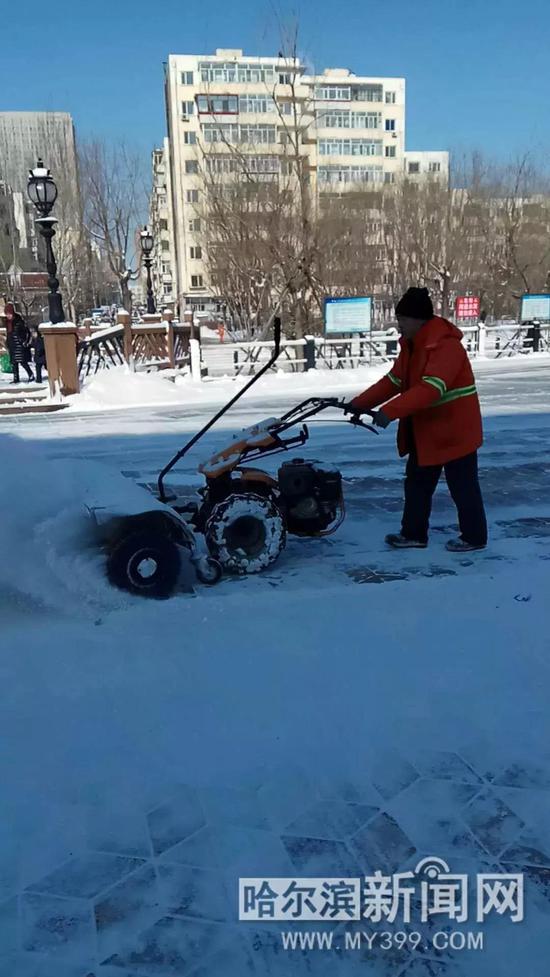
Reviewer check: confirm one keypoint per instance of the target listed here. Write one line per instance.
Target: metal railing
(494, 341)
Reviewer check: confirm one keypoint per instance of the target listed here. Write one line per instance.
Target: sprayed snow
(49, 544)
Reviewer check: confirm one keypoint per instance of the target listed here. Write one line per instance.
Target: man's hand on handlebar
(380, 419)
(350, 408)
(377, 416)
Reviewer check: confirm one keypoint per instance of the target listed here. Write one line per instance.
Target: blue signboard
(535, 307)
(348, 315)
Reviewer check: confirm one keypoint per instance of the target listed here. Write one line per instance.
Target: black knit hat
(416, 303)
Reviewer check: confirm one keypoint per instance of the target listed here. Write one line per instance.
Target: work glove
(380, 419)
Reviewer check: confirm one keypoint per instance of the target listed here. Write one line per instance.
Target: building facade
(348, 130)
(25, 136)
(163, 258)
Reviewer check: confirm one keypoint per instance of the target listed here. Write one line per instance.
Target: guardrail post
(309, 353)
(481, 339)
(124, 319)
(168, 316)
(195, 355)
(536, 337)
(60, 342)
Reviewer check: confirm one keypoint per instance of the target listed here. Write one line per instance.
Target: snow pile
(50, 555)
(120, 387)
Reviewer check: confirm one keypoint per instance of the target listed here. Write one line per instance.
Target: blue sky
(478, 74)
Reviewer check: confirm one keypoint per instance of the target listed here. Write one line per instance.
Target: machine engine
(310, 495)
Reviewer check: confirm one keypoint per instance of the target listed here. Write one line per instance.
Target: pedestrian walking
(39, 353)
(431, 391)
(19, 347)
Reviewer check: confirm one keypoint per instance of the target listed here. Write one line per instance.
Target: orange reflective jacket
(435, 387)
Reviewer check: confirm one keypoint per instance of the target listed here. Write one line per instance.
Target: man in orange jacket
(431, 391)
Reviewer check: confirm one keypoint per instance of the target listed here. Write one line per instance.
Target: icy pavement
(296, 724)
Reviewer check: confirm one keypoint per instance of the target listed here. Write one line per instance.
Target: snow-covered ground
(351, 709)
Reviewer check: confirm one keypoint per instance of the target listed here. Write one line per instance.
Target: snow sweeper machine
(242, 516)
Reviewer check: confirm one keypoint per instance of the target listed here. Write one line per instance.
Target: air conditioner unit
(394, 135)
(185, 118)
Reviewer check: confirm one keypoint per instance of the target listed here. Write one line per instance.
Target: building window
(333, 93)
(167, 288)
(257, 103)
(196, 281)
(350, 174)
(341, 119)
(187, 77)
(247, 164)
(194, 225)
(285, 78)
(285, 108)
(350, 147)
(390, 98)
(192, 196)
(226, 132)
(389, 177)
(166, 268)
(163, 224)
(257, 134)
(187, 108)
(390, 152)
(390, 125)
(236, 72)
(413, 168)
(165, 245)
(217, 104)
(367, 93)
(195, 252)
(434, 167)
(191, 166)
(190, 138)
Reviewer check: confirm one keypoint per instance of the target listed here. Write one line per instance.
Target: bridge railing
(150, 346)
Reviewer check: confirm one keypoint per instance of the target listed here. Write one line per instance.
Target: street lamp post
(147, 245)
(42, 192)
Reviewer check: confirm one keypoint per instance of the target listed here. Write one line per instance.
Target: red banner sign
(467, 307)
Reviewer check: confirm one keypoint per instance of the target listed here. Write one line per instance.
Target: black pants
(38, 367)
(27, 369)
(462, 479)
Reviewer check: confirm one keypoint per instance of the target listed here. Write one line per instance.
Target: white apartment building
(163, 261)
(359, 126)
(352, 133)
(419, 165)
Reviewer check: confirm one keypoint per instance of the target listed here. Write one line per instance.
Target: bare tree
(258, 212)
(114, 200)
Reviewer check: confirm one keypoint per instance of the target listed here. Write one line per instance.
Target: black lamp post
(147, 245)
(42, 192)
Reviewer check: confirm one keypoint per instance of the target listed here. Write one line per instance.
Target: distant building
(427, 164)
(227, 105)
(25, 136)
(163, 261)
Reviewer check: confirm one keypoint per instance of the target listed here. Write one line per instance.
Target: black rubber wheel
(144, 563)
(245, 533)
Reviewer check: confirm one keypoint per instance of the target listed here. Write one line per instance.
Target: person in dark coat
(19, 344)
(39, 351)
